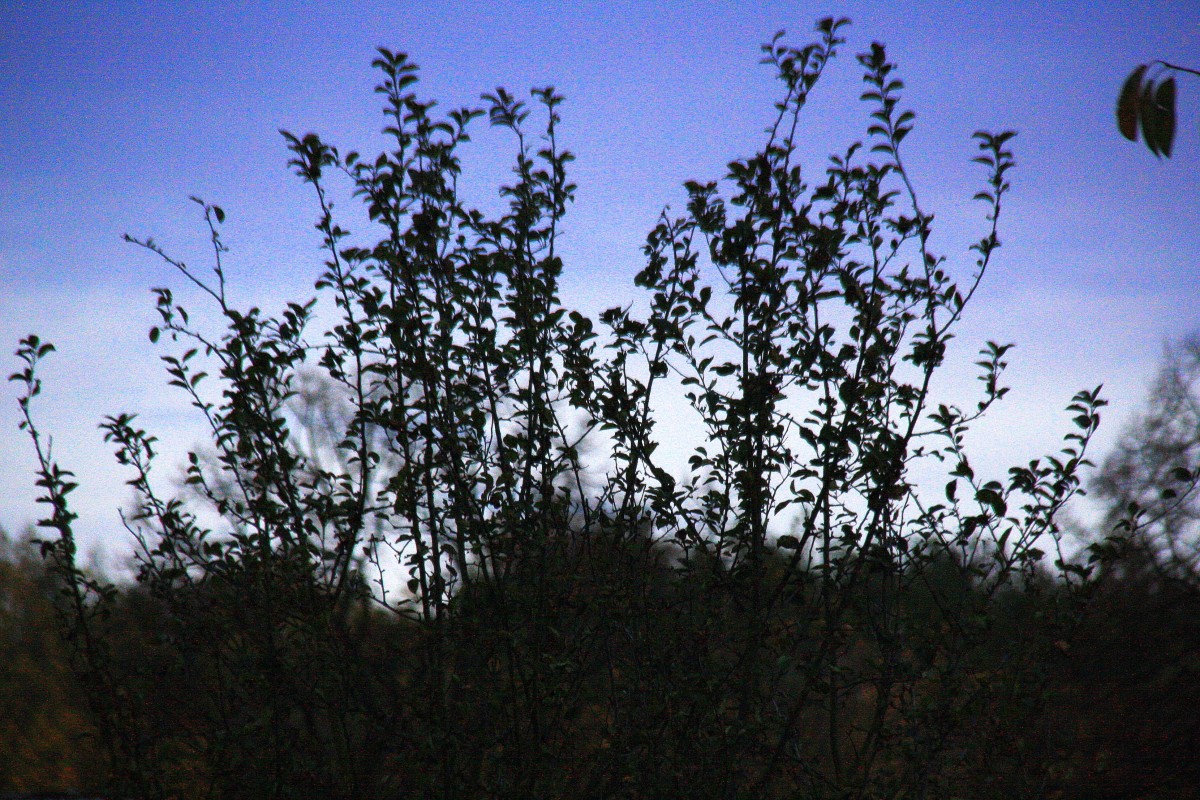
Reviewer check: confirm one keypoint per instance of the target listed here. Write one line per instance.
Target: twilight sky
(112, 114)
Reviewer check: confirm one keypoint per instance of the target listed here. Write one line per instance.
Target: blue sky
(112, 114)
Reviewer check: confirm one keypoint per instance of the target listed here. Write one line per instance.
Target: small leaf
(993, 499)
(1128, 102)
(725, 369)
(1151, 120)
(1164, 98)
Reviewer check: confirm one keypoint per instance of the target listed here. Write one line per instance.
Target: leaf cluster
(1146, 104)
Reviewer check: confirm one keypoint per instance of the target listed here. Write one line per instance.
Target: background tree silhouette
(1150, 479)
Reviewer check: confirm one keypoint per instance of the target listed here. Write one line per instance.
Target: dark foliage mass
(432, 549)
